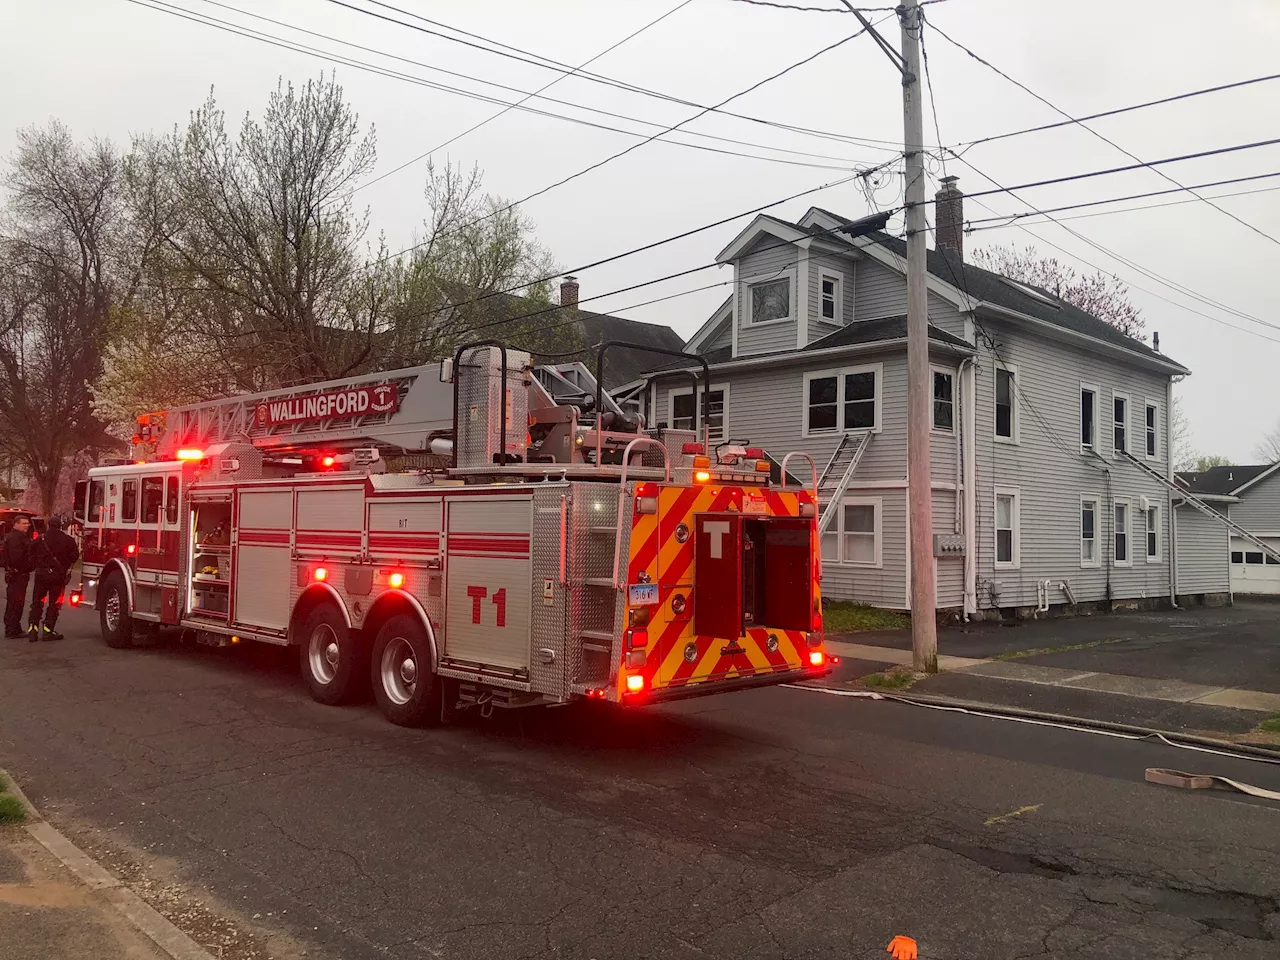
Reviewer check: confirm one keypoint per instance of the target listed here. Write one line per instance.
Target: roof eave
(1102, 346)
(772, 359)
(1258, 479)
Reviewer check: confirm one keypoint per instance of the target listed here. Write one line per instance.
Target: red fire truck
(475, 533)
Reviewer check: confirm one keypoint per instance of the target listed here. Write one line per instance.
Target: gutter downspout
(1173, 511)
(970, 449)
(960, 402)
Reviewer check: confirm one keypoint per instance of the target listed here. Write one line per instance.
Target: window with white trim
(1006, 403)
(831, 297)
(842, 400)
(1121, 556)
(853, 539)
(1152, 432)
(1119, 423)
(770, 300)
(681, 407)
(1008, 528)
(1153, 534)
(1088, 417)
(1089, 510)
(944, 400)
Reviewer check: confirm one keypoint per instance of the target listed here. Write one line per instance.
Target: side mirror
(446, 370)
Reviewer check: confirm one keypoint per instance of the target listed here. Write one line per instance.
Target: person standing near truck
(19, 561)
(55, 554)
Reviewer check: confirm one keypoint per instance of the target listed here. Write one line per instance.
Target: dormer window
(771, 300)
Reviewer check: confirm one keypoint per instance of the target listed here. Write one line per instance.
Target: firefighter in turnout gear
(19, 562)
(55, 554)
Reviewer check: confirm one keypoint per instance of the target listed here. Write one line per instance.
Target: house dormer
(793, 284)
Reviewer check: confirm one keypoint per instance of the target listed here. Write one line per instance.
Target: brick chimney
(949, 217)
(569, 292)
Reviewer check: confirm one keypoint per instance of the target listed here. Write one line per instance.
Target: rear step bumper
(709, 687)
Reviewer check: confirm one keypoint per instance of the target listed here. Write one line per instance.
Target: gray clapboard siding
(1051, 473)
(767, 258)
(1203, 553)
(1259, 508)
(722, 338)
(882, 292)
(949, 570)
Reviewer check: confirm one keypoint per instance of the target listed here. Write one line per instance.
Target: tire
(406, 689)
(332, 658)
(113, 612)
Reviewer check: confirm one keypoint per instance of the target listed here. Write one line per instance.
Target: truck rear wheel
(114, 615)
(405, 687)
(331, 656)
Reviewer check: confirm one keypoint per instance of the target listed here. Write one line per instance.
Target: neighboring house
(1033, 402)
(1249, 496)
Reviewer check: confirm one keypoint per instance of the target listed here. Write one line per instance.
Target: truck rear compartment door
(717, 596)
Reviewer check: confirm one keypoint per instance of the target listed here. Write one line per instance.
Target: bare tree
(1268, 449)
(1104, 295)
(55, 296)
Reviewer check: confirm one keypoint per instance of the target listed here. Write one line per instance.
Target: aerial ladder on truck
(554, 550)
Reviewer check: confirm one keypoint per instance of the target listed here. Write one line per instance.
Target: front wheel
(114, 615)
(332, 657)
(405, 687)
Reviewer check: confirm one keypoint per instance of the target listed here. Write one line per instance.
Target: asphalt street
(766, 824)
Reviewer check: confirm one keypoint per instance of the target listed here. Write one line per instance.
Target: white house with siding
(1034, 403)
(1250, 496)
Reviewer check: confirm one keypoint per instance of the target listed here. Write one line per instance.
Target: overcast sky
(113, 68)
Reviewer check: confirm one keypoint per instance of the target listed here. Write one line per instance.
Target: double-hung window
(853, 538)
(683, 406)
(1008, 528)
(1089, 510)
(944, 401)
(831, 297)
(1120, 423)
(1120, 556)
(1006, 404)
(1153, 534)
(770, 300)
(1151, 421)
(1088, 417)
(842, 400)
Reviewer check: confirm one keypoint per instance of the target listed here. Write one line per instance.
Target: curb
(931, 700)
(145, 918)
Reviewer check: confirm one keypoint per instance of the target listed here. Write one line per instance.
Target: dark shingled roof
(985, 285)
(865, 331)
(1222, 481)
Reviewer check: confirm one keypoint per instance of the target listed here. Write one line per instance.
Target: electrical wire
(787, 6)
(1103, 138)
(537, 60)
(160, 6)
(1095, 203)
(1147, 206)
(1119, 110)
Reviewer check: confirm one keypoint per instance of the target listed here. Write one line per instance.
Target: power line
(1103, 138)
(1145, 206)
(1095, 203)
(1112, 113)
(787, 6)
(160, 6)
(547, 63)
(551, 83)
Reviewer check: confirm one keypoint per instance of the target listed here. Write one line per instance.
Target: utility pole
(924, 628)
(924, 631)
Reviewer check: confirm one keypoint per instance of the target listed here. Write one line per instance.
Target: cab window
(129, 500)
(152, 499)
(171, 501)
(96, 490)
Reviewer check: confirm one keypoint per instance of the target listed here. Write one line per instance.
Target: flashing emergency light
(817, 658)
(190, 453)
(396, 580)
(75, 598)
(702, 476)
(131, 549)
(320, 574)
(635, 683)
(328, 461)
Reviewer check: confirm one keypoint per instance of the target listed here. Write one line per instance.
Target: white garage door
(1252, 571)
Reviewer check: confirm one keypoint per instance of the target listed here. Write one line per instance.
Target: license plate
(643, 594)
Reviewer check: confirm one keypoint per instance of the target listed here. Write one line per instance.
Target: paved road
(768, 824)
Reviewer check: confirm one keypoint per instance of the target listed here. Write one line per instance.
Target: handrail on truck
(706, 386)
(622, 493)
(817, 503)
(502, 434)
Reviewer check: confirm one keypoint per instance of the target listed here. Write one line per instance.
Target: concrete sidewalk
(47, 913)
